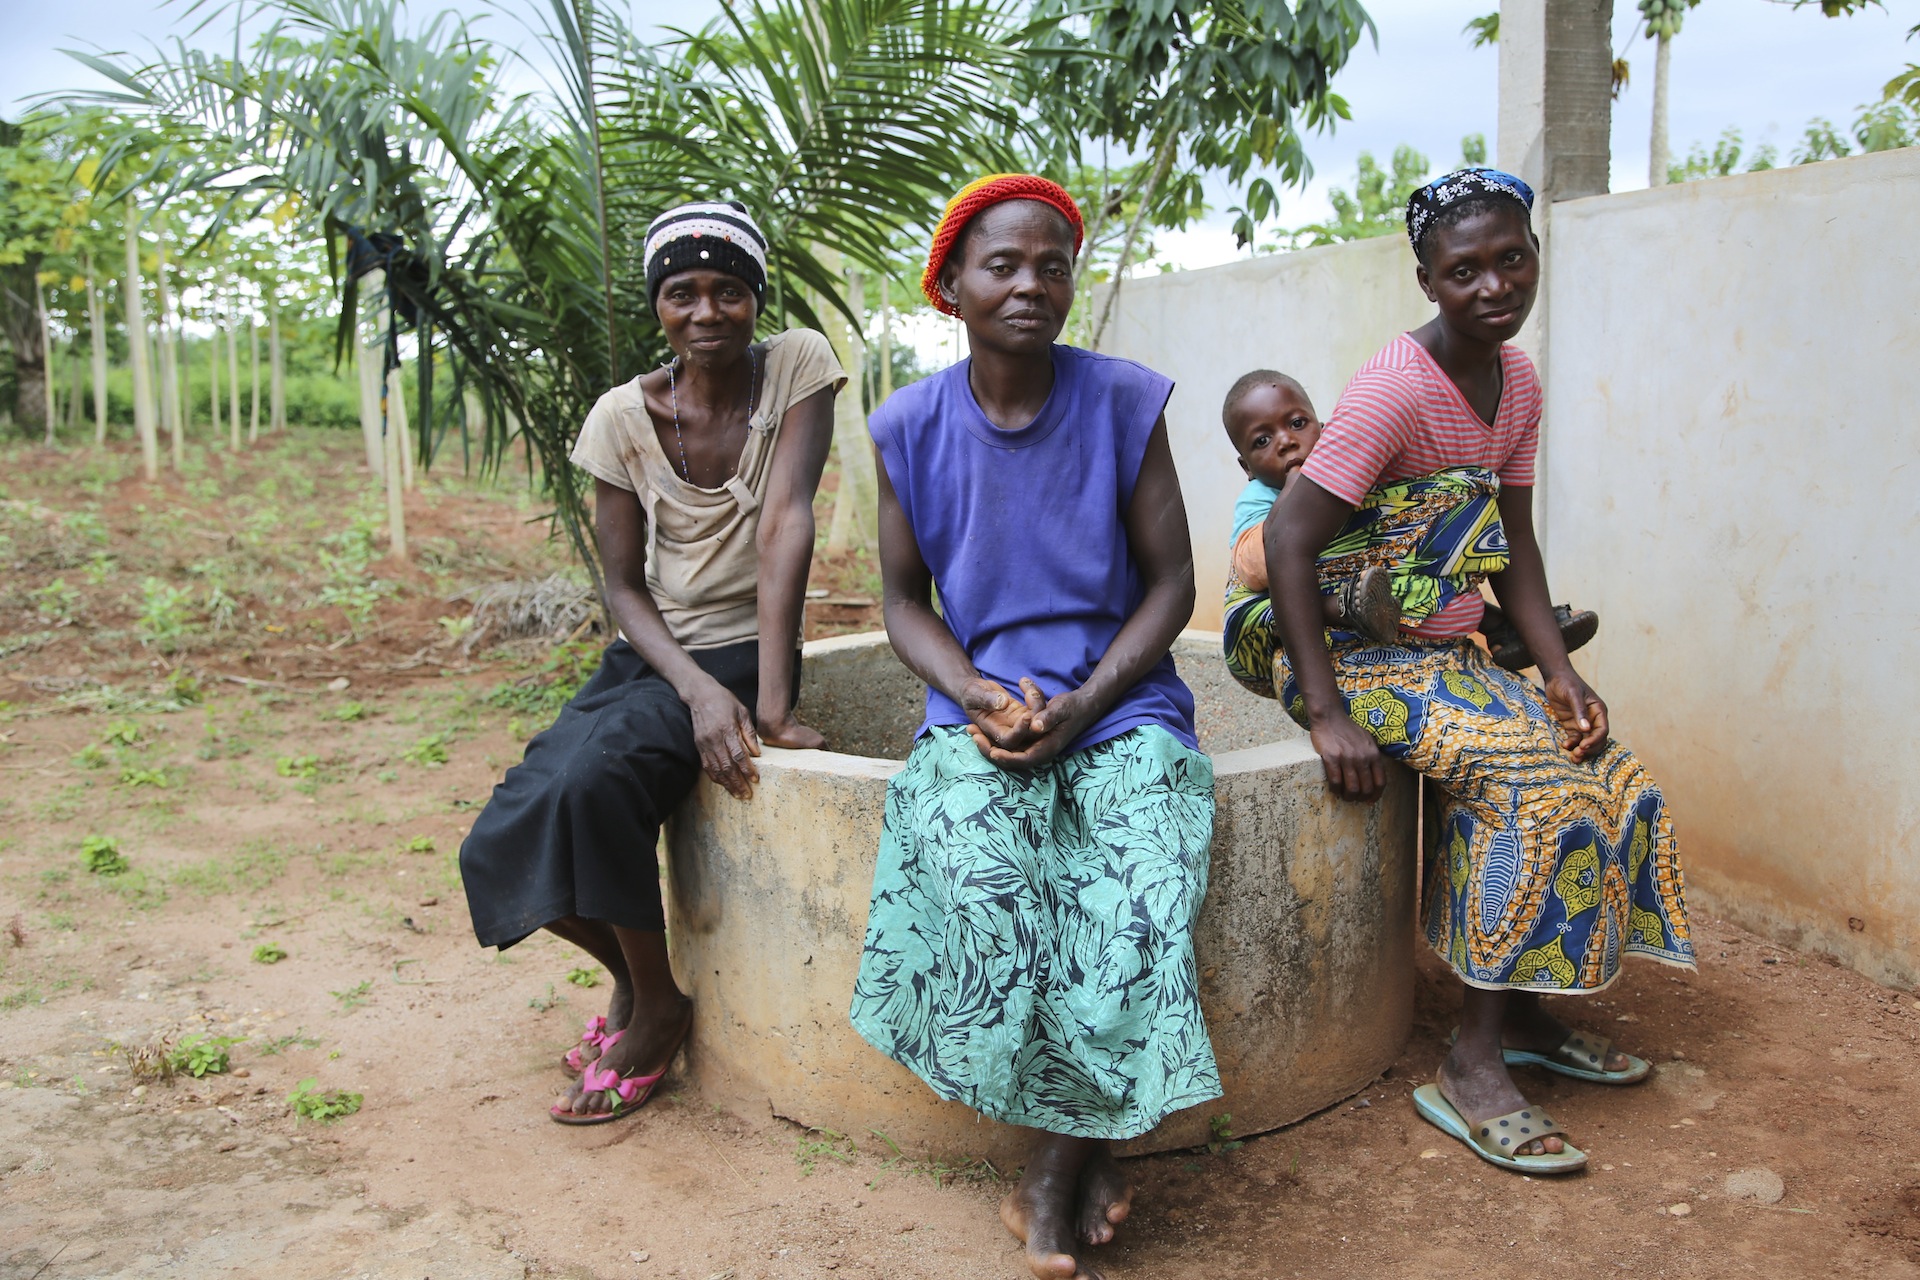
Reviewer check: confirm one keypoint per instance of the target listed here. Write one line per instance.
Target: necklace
(673, 394)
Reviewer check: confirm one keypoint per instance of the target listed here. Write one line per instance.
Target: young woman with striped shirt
(1552, 854)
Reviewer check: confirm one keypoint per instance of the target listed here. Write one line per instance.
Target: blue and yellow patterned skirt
(1030, 942)
(1543, 871)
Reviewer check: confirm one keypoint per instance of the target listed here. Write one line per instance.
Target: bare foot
(652, 1038)
(1039, 1211)
(1479, 1088)
(620, 1006)
(1105, 1198)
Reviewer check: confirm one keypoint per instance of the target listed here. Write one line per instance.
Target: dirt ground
(279, 771)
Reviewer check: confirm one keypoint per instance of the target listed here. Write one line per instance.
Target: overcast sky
(1752, 64)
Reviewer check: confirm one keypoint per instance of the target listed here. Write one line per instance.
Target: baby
(1273, 428)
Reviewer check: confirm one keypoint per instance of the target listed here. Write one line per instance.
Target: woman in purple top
(1029, 947)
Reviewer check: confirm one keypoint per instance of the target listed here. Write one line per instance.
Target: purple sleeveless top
(1025, 530)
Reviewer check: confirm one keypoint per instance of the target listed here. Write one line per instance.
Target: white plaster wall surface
(1734, 375)
(1318, 314)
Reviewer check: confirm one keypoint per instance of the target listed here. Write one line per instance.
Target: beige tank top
(702, 561)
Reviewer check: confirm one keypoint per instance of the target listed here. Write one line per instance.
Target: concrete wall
(1734, 410)
(1317, 314)
(1732, 371)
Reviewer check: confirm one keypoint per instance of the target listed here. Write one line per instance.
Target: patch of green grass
(255, 865)
(297, 766)
(200, 1055)
(274, 1046)
(583, 977)
(540, 1004)
(419, 844)
(101, 855)
(349, 712)
(56, 602)
(133, 775)
(269, 953)
(810, 1150)
(354, 996)
(429, 751)
(139, 889)
(309, 1102)
(92, 756)
(163, 619)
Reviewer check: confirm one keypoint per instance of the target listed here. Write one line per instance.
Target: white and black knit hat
(720, 236)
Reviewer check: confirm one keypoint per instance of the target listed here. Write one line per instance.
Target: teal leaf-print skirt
(1030, 942)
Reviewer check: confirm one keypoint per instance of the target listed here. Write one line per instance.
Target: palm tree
(840, 122)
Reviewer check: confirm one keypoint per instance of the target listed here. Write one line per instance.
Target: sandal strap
(1584, 1051)
(1505, 1135)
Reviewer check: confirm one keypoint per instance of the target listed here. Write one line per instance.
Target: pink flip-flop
(626, 1095)
(595, 1037)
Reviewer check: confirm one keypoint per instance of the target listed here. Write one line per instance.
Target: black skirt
(572, 830)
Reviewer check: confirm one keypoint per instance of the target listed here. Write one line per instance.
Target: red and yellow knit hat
(978, 196)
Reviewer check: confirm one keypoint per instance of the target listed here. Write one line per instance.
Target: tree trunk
(398, 424)
(79, 388)
(213, 385)
(97, 344)
(856, 507)
(886, 342)
(1162, 162)
(46, 353)
(383, 391)
(276, 371)
(167, 330)
(143, 409)
(233, 379)
(253, 395)
(1657, 153)
(366, 362)
(393, 400)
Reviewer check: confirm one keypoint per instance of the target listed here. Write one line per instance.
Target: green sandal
(1584, 1058)
(1581, 1056)
(1495, 1140)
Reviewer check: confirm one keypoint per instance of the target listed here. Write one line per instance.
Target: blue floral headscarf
(1425, 206)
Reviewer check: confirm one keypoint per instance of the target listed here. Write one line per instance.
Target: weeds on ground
(56, 603)
(163, 619)
(809, 1150)
(540, 1004)
(309, 1102)
(419, 844)
(349, 712)
(583, 977)
(274, 1046)
(977, 1170)
(355, 996)
(344, 558)
(101, 856)
(296, 766)
(269, 953)
(200, 1055)
(429, 751)
(542, 693)
(1221, 1139)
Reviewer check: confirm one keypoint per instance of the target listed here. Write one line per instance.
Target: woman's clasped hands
(1024, 732)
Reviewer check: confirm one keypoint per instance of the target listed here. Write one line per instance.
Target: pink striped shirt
(1402, 417)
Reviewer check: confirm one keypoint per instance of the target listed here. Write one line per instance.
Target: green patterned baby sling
(1438, 536)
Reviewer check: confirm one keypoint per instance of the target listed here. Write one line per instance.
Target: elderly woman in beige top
(705, 472)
